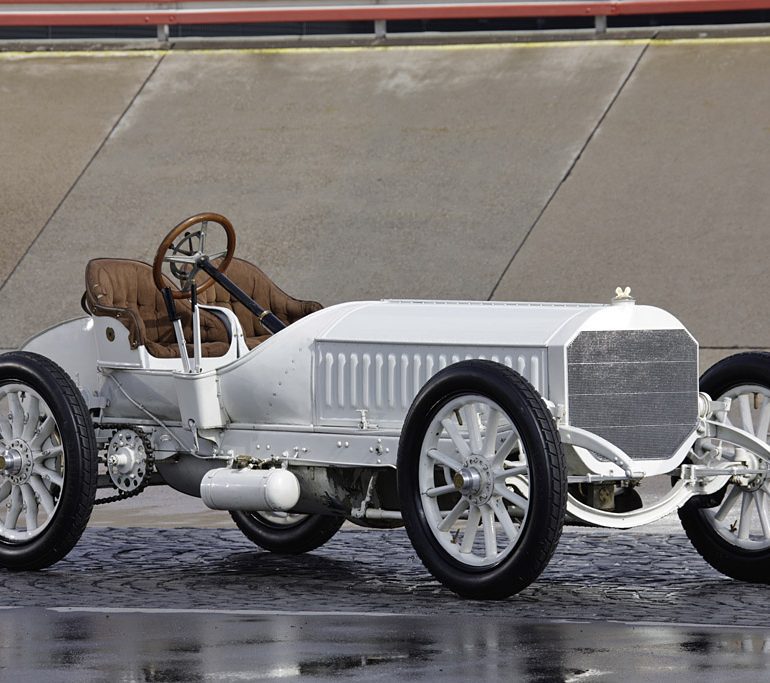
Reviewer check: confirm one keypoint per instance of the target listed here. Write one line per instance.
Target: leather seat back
(265, 292)
(124, 289)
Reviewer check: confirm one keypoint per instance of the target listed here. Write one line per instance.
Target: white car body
(333, 389)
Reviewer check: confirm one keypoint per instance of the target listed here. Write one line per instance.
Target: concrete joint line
(572, 165)
(82, 172)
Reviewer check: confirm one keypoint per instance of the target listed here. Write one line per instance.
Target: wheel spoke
(493, 422)
(512, 472)
(454, 515)
(46, 429)
(15, 510)
(46, 499)
(6, 431)
(505, 450)
(471, 527)
(440, 490)
(17, 414)
(511, 496)
(49, 475)
(49, 453)
(454, 434)
(732, 496)
(744, 524)
(217, 254)
(763, 423)
(745, 408)
(444, 459)
(30, 514)
(33, 417)
(760, 498)
(471, 417)
(505, 519)
(5, 491)
(490, 534)
(447, 472)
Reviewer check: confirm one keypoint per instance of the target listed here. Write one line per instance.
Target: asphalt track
(519, 172)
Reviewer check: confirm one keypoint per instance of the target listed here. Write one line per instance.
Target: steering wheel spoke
(181, 259)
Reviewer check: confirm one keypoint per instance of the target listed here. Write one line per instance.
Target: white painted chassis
(332, 390)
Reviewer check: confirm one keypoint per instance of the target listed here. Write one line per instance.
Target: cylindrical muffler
(228, 489)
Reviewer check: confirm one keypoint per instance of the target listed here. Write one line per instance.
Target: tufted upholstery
(124, 289)
(265, 292)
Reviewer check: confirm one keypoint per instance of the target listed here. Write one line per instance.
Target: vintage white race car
(477, 425)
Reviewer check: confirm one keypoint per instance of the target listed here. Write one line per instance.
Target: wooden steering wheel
(185, 246)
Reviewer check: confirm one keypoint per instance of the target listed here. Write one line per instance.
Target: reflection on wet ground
(130, 605)
(129, 647)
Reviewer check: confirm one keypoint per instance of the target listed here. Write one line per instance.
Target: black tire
(547, 477)
(306, 534)
(74, 499)
(742, 369)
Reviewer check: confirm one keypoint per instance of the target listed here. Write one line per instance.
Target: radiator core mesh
(636, 388)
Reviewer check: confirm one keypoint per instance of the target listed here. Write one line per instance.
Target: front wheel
(482, 480)
(731, 528)
(48, 462)
(285, 532)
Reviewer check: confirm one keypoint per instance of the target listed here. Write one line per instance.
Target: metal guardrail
(30, 13)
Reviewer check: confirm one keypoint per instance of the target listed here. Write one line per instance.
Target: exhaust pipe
(274, 490)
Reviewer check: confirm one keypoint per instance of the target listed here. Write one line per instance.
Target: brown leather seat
(265, 292)
(124, 289)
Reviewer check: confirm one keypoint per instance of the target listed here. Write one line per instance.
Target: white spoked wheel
(48, 462)
(472, 459)
(482, 480)
(731, 528)
(33, 463)
(743, 516)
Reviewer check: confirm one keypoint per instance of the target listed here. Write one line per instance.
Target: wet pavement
(191, 646)
(204, 604)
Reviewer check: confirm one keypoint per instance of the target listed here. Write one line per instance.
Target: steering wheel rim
(188, 257)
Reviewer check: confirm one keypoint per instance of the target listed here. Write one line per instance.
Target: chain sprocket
(150, 464)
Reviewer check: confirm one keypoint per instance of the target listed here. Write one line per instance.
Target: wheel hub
(17, 462)
(475, 480)
(751, 482)
(467, 480)
(11, 462)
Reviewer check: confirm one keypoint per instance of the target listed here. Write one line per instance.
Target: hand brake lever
(173, 316)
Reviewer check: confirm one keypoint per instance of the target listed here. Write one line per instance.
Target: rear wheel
(482, 480)
(285, 532)
(731, 528)
(48, 462)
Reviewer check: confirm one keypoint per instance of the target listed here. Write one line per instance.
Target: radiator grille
(635, 388)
